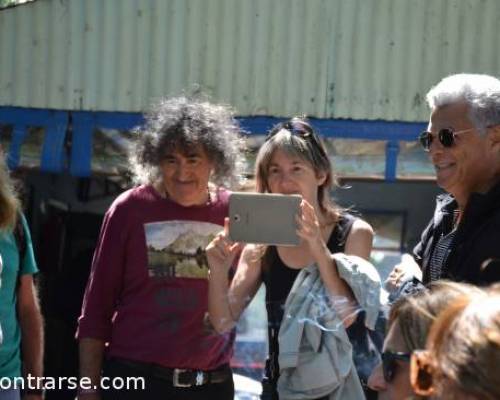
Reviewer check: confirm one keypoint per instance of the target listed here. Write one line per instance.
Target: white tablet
(264, 218)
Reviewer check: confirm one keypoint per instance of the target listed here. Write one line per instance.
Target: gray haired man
(462, 241)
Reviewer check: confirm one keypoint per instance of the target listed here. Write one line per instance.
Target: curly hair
(179, 123)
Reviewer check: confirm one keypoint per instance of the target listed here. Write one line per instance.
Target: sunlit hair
(9, 202)
(481, 93)
(178, 124)
(415, 313)
(465, 344)
(280, 138)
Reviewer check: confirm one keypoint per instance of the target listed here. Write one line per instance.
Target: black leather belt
(178, 377)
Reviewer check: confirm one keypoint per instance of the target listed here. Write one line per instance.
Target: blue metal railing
(54, 157)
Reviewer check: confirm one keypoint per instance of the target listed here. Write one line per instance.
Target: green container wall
(360, 59)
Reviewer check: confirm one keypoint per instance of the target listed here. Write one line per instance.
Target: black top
(279, 278)
(473, 245)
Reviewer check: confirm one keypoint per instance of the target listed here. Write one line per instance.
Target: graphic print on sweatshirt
(176, 249)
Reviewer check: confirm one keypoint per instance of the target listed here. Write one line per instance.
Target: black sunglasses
(446, 136)
(389, 364)
(300, 129)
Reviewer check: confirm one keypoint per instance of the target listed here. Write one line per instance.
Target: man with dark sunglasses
(463, 142)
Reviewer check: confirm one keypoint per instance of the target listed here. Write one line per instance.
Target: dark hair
(179, 123)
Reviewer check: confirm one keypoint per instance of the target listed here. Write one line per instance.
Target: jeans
(10, 394)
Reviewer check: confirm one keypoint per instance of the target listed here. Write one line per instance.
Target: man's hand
(403, 271)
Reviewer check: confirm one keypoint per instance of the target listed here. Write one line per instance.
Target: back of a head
(465, 341)
(480, 92)
(416, 313)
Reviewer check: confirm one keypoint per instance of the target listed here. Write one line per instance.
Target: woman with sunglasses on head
(463, 351)
(463, 142)
(292, 160)
(410, 320)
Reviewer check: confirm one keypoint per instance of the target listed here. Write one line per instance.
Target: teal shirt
(10, 360)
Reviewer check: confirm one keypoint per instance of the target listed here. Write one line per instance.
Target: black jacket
(476, 242)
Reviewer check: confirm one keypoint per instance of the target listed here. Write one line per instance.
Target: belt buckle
(200, 378)
(176, 382)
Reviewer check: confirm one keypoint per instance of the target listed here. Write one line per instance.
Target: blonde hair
(416, 313)
(9, 202)
(465, 342)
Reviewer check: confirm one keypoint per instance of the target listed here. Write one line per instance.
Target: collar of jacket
(479, 207)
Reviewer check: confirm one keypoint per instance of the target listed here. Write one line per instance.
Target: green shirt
(10, 360)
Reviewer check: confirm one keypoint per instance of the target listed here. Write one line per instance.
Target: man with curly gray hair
(147, 292)
(463, 142)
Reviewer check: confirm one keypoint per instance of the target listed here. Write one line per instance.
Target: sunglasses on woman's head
(300, 129)
(446, 136)
(421, 373)
(389, 363)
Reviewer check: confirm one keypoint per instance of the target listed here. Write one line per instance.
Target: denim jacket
(315, 352)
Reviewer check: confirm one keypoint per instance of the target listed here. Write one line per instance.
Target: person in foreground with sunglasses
(410, 320)
(463, 142)
(463, 351)
(294, 161)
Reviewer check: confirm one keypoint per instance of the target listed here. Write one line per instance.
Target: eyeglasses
(389, 364)
(300, 129)
(446, 136)
(421, 373)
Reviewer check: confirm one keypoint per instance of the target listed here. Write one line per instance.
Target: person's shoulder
(132, 196)
(22, 221)
(132, 200)
(361, 227)
(355, 222)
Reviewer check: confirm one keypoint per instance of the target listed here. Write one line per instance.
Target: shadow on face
(397, 386)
